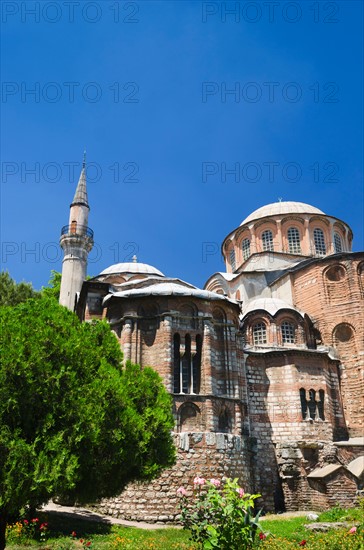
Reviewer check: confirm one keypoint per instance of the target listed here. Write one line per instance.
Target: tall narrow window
(186, 366)
(245, 247)
(287, 332)
(319, 240)
(294, 242)
(303, 403)
(320, 405)
(267, 240)
(311, 404)
(232, 260)
(196, 366)
(176, 363)
(259, 334)
(338, 245)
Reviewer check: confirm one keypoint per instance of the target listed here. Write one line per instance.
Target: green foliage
(72, 422)
(12, 293)
(220, 515)
(54, 286)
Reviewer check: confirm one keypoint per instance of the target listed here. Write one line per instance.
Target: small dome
(286, 207)
(132, 267)
(271, 305)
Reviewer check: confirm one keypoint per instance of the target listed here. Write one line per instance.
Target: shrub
(220, 514)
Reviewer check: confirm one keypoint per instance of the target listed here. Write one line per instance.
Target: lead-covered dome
(282, 207)
(131, 267)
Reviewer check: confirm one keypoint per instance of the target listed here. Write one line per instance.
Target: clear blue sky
(142, 86)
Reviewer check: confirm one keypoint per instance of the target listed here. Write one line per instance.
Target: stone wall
(297, 460)
(209, 455)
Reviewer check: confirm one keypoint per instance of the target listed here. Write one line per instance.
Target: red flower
(74, 534)
(81, 541)
(302, 543)
(43, 526)
(262, 536)
(88, 543)
(35, 520)
(26, 522)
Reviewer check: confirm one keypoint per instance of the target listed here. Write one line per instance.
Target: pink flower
(353, 530)
(199, 481)
(215, 482)
(181, 491)
(241, 492)
(26, 522)
(35, 520)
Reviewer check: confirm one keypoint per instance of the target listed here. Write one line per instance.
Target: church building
(265, 364)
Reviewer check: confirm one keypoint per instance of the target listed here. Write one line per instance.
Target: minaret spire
(76, 241)
(81, 189)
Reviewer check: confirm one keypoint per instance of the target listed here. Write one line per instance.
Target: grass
(285, 534)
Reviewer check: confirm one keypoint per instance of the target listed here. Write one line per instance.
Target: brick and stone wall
(331, 292)
(204, 454)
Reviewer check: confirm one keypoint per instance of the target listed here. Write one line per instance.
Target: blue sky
(144, 86)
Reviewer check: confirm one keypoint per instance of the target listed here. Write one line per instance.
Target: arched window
(189, 417)
(267, 240)
(335, 273)
(224, 422)
(245, 247)
(311, 404)
(288, 332)
(319, 240)
(294, 241)
(312, 409)
(187, 365)
(177, 361)
(232, 260)
(338, 245)
(259, 334)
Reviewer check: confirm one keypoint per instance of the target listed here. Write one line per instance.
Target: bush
(220, 514)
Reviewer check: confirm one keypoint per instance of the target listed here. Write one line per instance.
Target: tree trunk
(3, 523)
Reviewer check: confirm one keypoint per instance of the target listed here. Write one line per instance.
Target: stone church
(265, 363)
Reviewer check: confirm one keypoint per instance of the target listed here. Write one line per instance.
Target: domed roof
(282, 207)
(132, 267)
(271, 305)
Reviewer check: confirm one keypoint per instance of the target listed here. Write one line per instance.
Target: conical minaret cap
(81, 190)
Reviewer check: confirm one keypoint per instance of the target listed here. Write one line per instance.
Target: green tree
(12, 293)
(54, 285)
(72, 420)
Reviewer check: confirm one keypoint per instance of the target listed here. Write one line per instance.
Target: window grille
(245, 248)
(232, 260)
(294, 241)
(288, 332)
(259, 334)
(338, 245)
(267, 240)
(319, 240)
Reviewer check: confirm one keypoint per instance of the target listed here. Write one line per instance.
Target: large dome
(286, 207)
(132, 267)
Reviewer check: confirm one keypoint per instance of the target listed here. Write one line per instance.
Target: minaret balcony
(77, 230)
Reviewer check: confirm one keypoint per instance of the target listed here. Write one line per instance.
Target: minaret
(76, 241)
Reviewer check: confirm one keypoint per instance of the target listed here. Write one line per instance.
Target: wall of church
(208, 455)
(297, 460)
(330, 291)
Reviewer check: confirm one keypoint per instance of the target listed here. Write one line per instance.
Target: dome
(271, 305)
(132, 267)
(284, 207)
